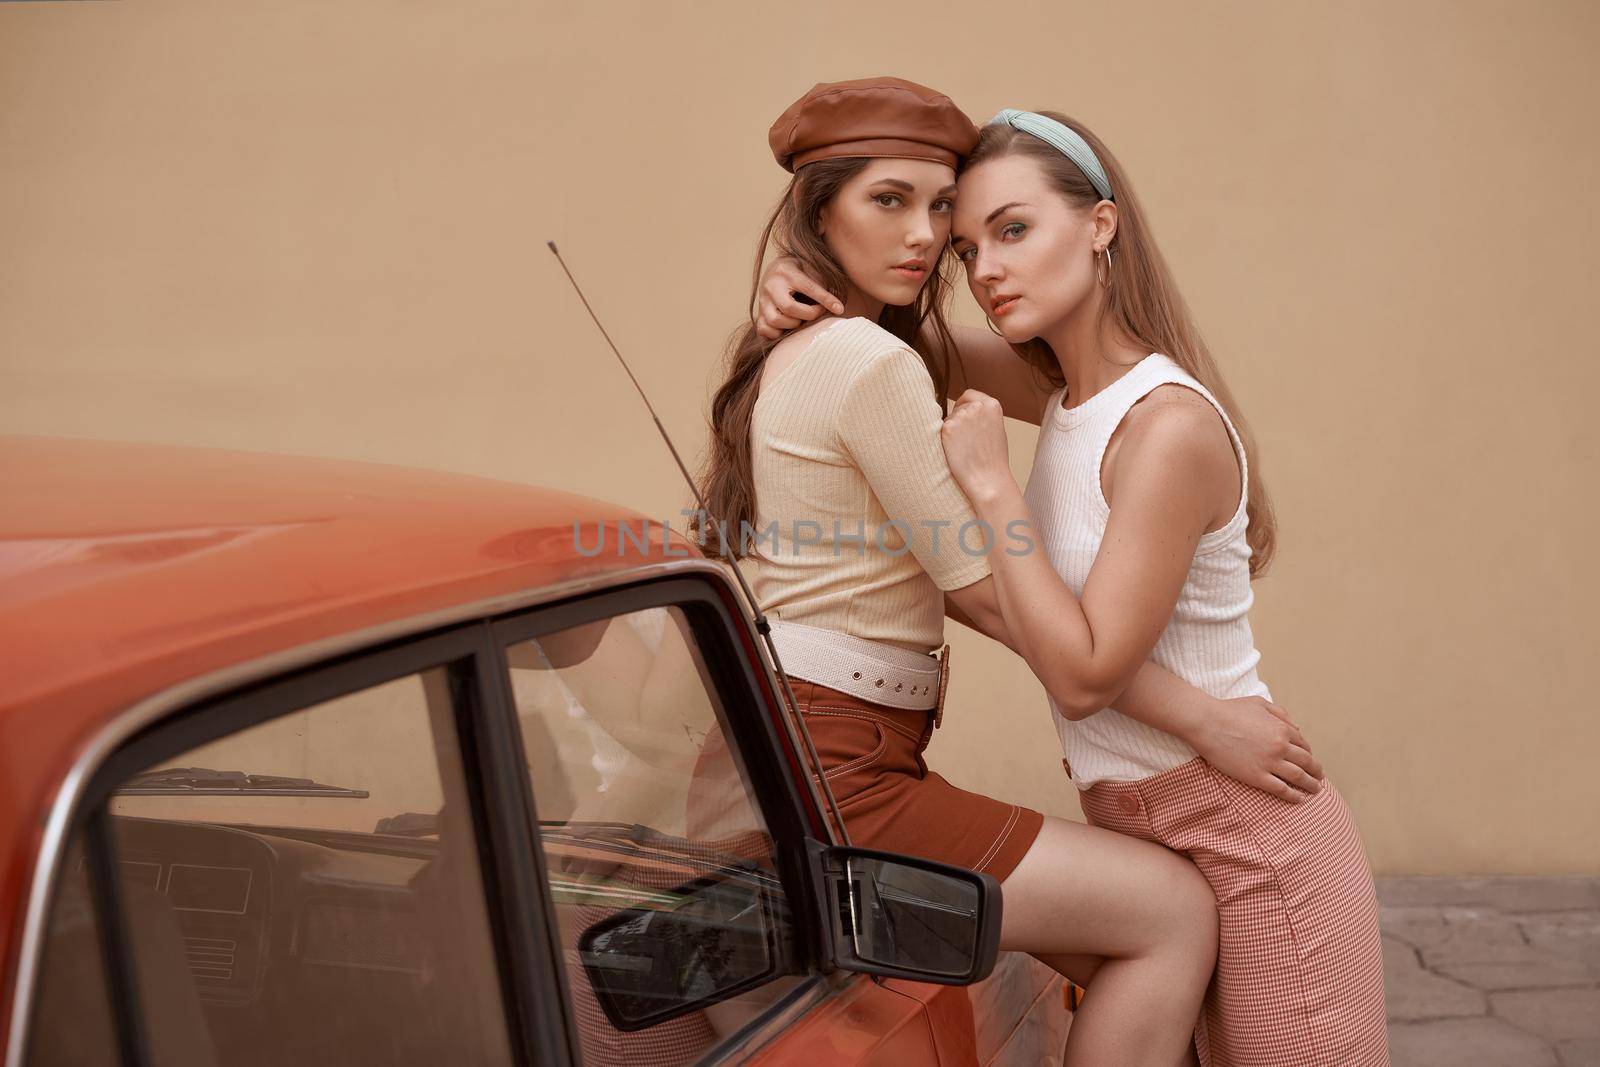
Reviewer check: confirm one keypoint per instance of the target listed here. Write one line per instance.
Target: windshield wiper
(202, 781)
(637, 833)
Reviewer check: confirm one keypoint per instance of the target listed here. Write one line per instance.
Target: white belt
(871, 670)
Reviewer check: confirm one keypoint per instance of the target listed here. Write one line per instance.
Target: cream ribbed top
(1208, 642)
(844, 440)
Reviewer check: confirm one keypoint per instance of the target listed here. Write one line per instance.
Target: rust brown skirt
(872, 758)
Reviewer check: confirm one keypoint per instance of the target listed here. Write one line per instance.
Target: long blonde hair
(1142, 299)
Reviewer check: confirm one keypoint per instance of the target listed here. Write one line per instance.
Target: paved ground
(1492, 972)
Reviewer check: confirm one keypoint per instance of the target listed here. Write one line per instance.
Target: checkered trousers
(1299, 979)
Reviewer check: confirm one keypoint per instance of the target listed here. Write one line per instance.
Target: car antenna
(760, 619)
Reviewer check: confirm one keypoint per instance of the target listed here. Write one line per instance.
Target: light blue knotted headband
(1063, 139)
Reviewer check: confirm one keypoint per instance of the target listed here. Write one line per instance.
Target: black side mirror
(703, 943)
(904, 917)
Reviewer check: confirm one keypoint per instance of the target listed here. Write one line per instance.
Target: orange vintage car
(310, 761)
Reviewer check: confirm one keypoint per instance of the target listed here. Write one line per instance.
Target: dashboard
(294, 936)
(272, 944)
(242, 898)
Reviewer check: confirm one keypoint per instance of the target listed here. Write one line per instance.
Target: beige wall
(319, 228)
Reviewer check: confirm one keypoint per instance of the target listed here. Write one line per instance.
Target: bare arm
(985, 362)
(1169, 475)
(1086, 651)
(1155, 696)
(978, 607)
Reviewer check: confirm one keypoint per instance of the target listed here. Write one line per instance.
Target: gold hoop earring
(1105, 282)
(987, 321)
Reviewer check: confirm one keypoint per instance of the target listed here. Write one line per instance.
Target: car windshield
(348, 764)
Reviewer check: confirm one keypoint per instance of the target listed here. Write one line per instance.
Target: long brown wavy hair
(726, 480)
(1142, 299)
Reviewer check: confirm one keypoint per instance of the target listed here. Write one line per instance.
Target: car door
(570, 834)
(656, 767)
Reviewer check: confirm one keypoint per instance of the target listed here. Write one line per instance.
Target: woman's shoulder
(1170, 384)
(1177, 430)
(857, 333)
(1175, 412)
(849, 347)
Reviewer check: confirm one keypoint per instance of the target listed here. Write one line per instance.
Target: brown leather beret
(871, 117)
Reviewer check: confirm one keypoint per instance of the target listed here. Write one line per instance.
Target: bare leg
(1147, 915)
(1080, 970)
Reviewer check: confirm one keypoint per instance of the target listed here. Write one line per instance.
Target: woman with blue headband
(1146, 496)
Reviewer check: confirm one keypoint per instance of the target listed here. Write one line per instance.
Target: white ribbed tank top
(1208, 642)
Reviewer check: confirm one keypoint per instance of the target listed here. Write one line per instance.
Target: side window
(675, 928)
(308, 890)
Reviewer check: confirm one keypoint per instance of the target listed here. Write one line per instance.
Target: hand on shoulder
(778, 311)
